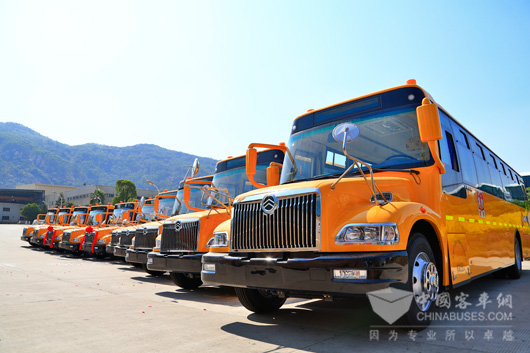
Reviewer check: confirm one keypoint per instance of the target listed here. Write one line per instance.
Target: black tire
(516, 270)
(185, 280)
(422, 265)
(152, 272)
(258, 300)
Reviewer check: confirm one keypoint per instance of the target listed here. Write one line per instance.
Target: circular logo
(269, 204)
(127, 232)
(145, 231)
(178, 226)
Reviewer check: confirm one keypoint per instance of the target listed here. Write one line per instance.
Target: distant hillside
(27, 157)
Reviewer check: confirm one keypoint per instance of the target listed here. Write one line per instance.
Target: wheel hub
(425, 281)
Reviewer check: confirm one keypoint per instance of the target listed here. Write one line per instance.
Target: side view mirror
(195, 167)
(346, 133)
(430, 129)
(429, 121)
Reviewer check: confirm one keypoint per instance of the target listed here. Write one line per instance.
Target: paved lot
(51, 302)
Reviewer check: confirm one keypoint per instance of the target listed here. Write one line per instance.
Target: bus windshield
(51, 216)
(81, 213)
(92, 215)
(388, 139)
(236, 182)
(148, 212)
(166, 203)
(117, 214)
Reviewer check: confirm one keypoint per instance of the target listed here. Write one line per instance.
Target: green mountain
(27, 157)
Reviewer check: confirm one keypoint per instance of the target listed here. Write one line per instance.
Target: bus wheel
(152, 272)
(423, 281)
(515, 271)
(185, 280)
(259, 300)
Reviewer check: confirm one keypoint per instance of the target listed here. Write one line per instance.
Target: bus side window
(452, 152)
(469, 173)
(452, 178)
(495, 178)
(483, 173)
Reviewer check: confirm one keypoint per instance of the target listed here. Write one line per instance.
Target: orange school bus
(184, 238)
(27, 232)
(96, 240)
(385, 190)
(144, 237)
(72, 239)
(67, 221)
(57, 216)
(121, 238)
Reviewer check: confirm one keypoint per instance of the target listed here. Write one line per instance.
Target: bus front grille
(126, 238)
(293, 225)
(183, 239)
(145, 241)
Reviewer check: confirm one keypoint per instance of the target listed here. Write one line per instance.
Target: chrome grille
(89, 238)
(66, 237)
(184, 239)
(294, 224)
(145, 241)
(115, 238)
(126, 238)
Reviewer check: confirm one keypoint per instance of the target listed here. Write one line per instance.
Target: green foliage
(125, 191)
(98, 196)
(27, 157)
(61, 200)
(30, 211)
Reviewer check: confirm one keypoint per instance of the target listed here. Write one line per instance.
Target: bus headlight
(101, 241)
(374, 233)
(219, 240)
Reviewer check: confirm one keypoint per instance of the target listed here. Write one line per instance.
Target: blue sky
(210, 77)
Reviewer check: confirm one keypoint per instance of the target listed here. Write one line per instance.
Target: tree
(98, 196)
(125, 191)
(61, 201)
(30, 211)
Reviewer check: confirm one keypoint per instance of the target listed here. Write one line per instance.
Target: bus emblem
(145, 231)
(178, 226)
(269, 204)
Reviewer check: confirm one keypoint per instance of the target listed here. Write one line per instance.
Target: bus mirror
(429, 121)
(195, 167)
(252, 158)
(99, 218)
(273, 174)
(346, 133)
(430, 129)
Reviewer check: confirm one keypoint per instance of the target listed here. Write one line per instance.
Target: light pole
(151, 183)
(60, 198)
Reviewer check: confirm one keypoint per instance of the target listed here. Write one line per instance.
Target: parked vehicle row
(382, 192)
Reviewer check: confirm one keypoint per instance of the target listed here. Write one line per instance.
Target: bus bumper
(72, 247)
(187, 263)
(308, 276)
(117, 251)
(136, 256)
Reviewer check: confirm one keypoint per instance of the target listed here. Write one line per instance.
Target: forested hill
(27, 157)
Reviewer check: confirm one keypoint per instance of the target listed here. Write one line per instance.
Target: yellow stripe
(471, 220)
(494, 223)
(480, 221)
(488, 222)
(449, 218)
(461, 219)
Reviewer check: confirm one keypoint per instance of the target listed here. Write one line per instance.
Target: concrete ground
(52, 302)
